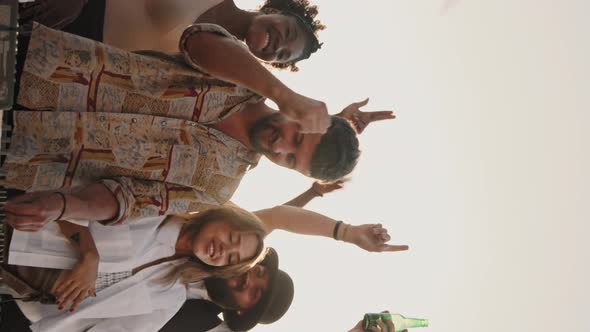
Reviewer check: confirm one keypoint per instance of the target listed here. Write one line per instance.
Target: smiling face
(276, 38)
(247, 289)
(282, 142)
(218, 243)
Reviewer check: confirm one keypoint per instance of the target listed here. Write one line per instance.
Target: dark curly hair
(305, 14)
(337, 153)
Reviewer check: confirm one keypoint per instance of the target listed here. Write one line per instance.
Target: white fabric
(221, 328)
(139, 303)
(116, 310)
(121, 248)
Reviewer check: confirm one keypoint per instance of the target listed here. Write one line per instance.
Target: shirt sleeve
(202, 27)
(145, 198)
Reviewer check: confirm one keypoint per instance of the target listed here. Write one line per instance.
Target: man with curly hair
(221, 39)
(158, 24)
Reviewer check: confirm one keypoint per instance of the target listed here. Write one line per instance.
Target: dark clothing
(90, 23)
(11, 318)
(194, 316)
(80, 17)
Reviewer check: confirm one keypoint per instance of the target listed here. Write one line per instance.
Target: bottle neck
(415, 322)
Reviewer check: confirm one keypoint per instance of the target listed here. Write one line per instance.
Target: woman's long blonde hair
(241, 220)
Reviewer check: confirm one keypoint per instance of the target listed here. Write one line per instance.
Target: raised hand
(312, 115)
(372, 237)
(322, 188)
(359, 119)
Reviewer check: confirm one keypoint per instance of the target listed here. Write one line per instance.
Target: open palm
(359, 119)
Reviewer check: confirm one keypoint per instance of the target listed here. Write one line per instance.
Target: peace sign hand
(373, 238)
(359, 119)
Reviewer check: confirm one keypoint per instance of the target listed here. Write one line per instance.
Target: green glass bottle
(400, 322)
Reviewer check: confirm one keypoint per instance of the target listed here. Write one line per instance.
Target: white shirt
(139, 303)
(121, 247)
(120, 308)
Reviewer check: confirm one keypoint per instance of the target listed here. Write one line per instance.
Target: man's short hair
(337, 153)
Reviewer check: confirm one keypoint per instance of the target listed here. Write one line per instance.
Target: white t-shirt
(138, 303)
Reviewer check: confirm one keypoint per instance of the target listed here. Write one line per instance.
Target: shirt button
(134, 120)
(163, 123)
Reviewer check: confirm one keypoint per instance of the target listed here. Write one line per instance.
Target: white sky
(484, 173)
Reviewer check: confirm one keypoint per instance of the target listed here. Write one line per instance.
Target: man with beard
(263, 294)
(161, 137)
(259, 296)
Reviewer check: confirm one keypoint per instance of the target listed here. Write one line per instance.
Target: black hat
(274, 303)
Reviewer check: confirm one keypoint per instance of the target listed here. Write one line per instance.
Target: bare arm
(316, 189)
(303, 199)
(370, 237)
(80, 238)
(223, 58)
(297, 220)
(110, 201)
(31, 211)
(93, 202)
(73, 285)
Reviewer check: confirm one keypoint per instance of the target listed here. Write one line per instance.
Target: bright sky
(485, 173)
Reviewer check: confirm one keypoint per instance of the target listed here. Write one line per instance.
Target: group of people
(133, 124)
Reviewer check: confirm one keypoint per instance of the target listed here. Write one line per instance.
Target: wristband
(63, 209)
(335, 233)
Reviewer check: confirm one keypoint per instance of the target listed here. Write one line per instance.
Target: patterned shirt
(135, 122)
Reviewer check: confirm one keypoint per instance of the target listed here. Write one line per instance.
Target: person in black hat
(260, 296)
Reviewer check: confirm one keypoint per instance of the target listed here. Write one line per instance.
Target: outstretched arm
(224, 58)
(72, 285)
(371, 237)
(316, 189)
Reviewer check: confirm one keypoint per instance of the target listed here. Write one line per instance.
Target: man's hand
(322, 188)
(386, 326)
(359, 119)
(312, 115)
(73, 285)
(372, 237)
(30, 212)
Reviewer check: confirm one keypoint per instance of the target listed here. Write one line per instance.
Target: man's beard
(220, 293)
(262, 125)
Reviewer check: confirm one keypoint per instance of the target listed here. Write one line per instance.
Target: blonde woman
(112, 262)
